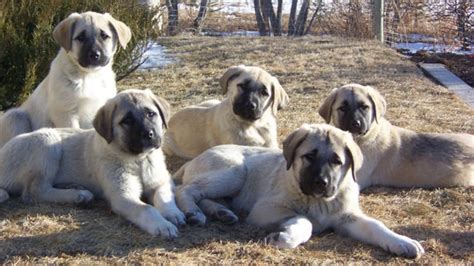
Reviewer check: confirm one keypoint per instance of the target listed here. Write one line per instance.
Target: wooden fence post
(378, 19)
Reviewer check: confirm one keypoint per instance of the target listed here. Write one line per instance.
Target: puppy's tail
(178, 176)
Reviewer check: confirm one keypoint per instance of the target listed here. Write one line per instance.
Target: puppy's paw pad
(166, 230)
(280, 240)
(175, 216)
(84, 196)
(226, 216)
(195, 218)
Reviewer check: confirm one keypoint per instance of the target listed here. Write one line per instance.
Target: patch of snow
(156, 57)
(232, 33)
(413, 47)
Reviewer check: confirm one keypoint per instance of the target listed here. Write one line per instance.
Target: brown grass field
(308, 68)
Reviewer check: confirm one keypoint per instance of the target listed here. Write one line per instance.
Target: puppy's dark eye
(364, 107)
(80, 37)
(343, 108)
(128, 121)
(104, 35)
(311, 156)
(150, 114)
(336, 160)
(264, 92)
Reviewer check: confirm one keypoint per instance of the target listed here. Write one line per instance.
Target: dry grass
(308, 68)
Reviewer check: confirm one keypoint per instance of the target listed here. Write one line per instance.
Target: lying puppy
(120, 161)
(396, 156)
(246, 117)
(309, 188)
(80, 79)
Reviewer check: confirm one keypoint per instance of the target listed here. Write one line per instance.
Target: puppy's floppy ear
(62, 33)
(325, 111)
(230, 74)
(280, 98)
(124, 34)
(103, 121)
(292, 142)
(354, 153)
(163, 107)
(379, 104)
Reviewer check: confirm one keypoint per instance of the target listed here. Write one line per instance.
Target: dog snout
(94, 55)
(356, 124)
(148, 134)
(321, 182)
(252, 106)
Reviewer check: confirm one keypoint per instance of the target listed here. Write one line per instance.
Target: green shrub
(27, 46)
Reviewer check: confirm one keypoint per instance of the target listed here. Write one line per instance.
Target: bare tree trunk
(172, 6)
(258, 15)
(197, 24)
(315, 14)
(463, 26)
(274, 23)
(302, 16)
(292, 21)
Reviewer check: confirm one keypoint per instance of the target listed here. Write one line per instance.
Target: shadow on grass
(96, 231)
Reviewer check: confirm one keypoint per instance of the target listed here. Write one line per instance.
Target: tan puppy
(308, 188)
(396, 156)
(120, 161)
(80, 79)
(246, 117)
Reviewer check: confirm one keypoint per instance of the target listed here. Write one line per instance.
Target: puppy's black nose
(94, 55)
(148, 134)
(252, 106)
(356, 124)
(321, 182)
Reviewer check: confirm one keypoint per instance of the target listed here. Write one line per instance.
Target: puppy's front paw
(405, 246)
(196, 218)
(166, 230)
(175, 216)
(226, 216)
(84, 196)
(281, 240)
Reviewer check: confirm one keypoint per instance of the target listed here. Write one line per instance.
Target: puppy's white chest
(251, 136)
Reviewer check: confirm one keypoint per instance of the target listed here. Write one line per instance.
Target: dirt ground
(308, 68)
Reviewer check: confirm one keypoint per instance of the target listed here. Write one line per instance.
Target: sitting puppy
(396, 156)
(309, 188)
(80, 79)
(120, 161)
(246, 117)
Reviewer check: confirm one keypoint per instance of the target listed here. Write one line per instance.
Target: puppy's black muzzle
(247, 110)
(143, 139)
(354, 123)
(316, 181)
(92, 55)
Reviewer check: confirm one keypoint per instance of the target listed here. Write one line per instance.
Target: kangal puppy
(80, 78)
(121, 161)
(246, 117)
(395, 156)
(308, 188)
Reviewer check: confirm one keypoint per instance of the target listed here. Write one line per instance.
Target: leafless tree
(267, 20)
(260, 20)
(198, 21)
(172, 6)
(292, 19)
